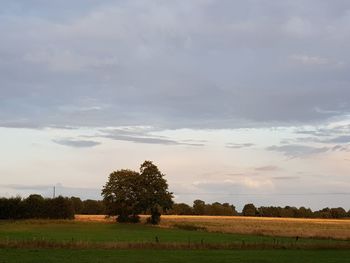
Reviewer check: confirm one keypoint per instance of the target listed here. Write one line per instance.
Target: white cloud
(262, 184)
(310, 60)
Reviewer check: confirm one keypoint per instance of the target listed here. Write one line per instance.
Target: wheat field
(288, 227)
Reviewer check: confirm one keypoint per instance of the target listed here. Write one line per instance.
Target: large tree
(128, 193)
(121, 195)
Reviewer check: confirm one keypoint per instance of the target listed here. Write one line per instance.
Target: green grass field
(29, 241)
(183, 256)
(100, 232)
(57, 231)
(109, 232)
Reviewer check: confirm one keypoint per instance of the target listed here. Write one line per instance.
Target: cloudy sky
(237, 101)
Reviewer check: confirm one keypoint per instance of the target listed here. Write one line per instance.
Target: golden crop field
(290, 227)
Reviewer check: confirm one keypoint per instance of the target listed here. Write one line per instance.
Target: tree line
(35, 206)
(88, 207)
(294, 212)
(199, 207)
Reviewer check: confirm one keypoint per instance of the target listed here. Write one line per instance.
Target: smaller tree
(289, 211)
(198, 207)
(249, 210)
(34, 206)
(305, 212)
(77, 204)
(338, 212)
(181, 209)
(323, 213)
(155, 196)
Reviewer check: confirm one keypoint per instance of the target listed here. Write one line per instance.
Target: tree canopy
(128, 193)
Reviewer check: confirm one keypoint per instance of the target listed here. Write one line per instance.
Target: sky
(234, 101)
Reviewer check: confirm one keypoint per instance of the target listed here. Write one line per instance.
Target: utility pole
(54, 191)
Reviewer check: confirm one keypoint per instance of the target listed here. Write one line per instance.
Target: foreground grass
(159, 256)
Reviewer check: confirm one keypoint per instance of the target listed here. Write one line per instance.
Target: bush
(12, 208)
(128, 219)
(190, 227)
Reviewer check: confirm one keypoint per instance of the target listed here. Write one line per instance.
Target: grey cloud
(144, 136)
(142, 139)
(318, 132)
(340, 148)
(340, 139)
(306, 140)
(325, 131)
(285, 177)
(199, 64)
(334, 135)
(323, 135)
(295, 150)
(63, 127)
(267, 168)
(137, 131)
(76, 143)
(239, 145)
(20, 124)
(27, 124)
